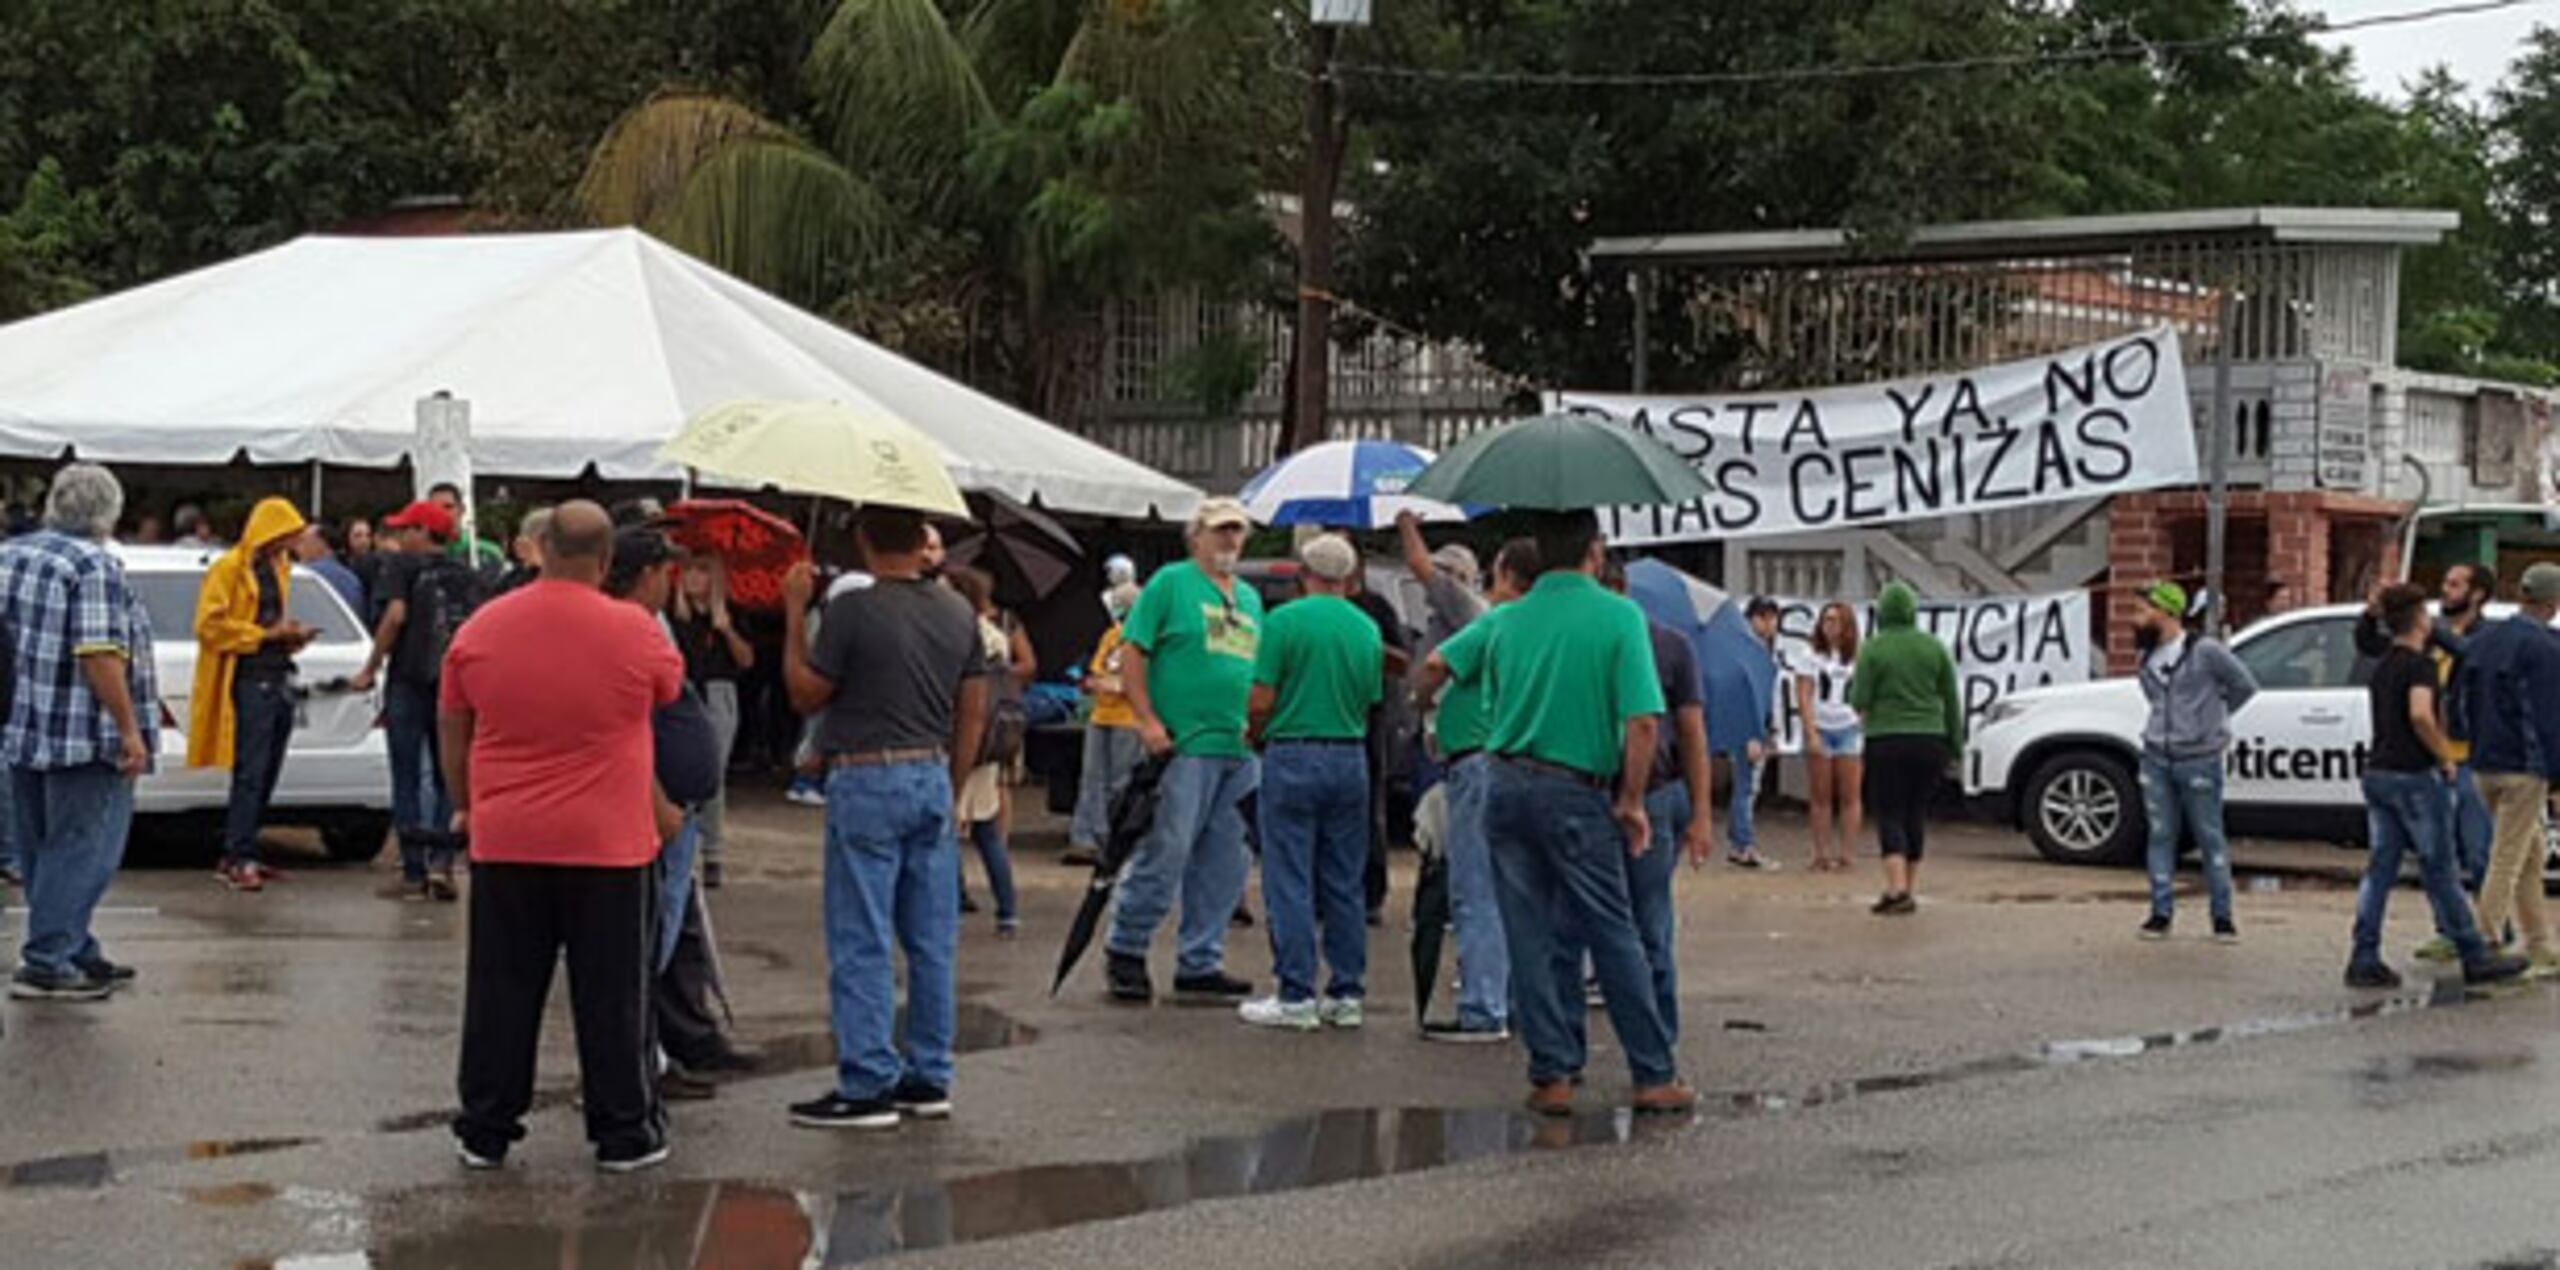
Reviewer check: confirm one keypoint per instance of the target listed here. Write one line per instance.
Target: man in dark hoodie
(1904, 689)
(2508, 690)
(2462, 604)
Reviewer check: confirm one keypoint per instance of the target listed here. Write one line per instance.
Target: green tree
(1011, 166)
(2525, 112)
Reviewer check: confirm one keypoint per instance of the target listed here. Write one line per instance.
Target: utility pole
(1325, 138)
(2217, 499)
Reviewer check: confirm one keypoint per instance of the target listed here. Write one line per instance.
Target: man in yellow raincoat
(240, 715)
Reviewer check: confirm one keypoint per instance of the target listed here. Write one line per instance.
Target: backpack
(685, 750)
(442, 597)
(1008, 720)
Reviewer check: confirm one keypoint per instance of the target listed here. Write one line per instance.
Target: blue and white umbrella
(1735, 668)
(1344, 484)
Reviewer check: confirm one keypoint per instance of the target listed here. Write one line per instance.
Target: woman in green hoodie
(1905, 688)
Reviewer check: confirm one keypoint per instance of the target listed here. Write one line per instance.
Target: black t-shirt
(707, 658)
(270, 659)
(897, 651)
(415, 659)
(1382, 613)
(1677, 666)
(2396, 747)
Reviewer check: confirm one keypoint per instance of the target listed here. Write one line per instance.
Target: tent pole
(315, 489)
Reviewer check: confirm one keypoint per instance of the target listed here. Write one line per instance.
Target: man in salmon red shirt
(544, 713)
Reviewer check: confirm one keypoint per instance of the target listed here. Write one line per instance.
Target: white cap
(1119, 568)
(1330, 557)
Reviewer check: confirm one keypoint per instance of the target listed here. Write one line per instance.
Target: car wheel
(356, 838)
(2085, 807)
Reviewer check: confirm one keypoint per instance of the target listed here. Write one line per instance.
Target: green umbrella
(1560, 462)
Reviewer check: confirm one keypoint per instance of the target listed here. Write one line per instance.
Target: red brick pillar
(2298, 548)
(2137, 555)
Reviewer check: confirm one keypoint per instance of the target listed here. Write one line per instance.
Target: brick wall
(2160, 534)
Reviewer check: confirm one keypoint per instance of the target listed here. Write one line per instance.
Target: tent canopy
(573, 349)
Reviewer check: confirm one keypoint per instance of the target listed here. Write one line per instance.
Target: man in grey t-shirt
(898, 679)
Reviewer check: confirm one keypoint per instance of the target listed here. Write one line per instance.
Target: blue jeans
(2406, 811)
(675, 889)
(1558, 856)
(1738, 837)
(10, 856)
(988, 837)
(1649, 901)
(2189, 792)
(262, 727)
(1484, 957)
(1110, 754)
(2470, 827)
(418, 805)
(891, 867)
(1315, 846)
(1196, 848)
(71, 825)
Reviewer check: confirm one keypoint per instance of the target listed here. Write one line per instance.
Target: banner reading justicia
(2101, 419)
(2001, 644)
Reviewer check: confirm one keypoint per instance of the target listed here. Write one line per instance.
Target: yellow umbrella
(820, 447)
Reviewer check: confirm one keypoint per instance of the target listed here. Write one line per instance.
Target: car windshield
(170, 597)
(2320, 653)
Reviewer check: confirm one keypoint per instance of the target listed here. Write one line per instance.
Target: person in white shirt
(1834, 741)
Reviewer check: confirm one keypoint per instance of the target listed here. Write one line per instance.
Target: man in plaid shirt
(80, 727)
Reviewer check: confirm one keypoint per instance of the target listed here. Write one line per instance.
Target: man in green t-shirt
(1571, 680)
(1315, 677)
(1484, 961)
(1187, 654)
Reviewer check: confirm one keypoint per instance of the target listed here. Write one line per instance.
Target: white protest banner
(2001, 644)
(2097, 420)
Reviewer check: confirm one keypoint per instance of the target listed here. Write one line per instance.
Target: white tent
(574, 349)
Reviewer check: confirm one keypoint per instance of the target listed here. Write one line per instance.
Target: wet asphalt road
(2008, 1078)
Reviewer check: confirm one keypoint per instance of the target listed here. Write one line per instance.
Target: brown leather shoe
(1674, 1099)
(1552, 1098)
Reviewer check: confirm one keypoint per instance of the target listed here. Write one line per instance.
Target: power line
(1999, 61)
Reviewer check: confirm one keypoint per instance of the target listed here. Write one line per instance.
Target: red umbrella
(757, 546)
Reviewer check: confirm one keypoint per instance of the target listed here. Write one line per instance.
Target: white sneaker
(474, 1160)
(1295, 1016)
(1342, 1012)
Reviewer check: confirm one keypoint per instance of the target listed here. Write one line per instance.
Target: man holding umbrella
(1187, 666)
(1571, 678)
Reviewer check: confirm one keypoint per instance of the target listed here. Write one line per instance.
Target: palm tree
(1021, 161)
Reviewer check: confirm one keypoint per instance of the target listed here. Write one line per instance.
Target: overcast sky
(2477, 47)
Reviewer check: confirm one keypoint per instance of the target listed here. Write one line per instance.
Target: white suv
(2060, 762)
(337, 772)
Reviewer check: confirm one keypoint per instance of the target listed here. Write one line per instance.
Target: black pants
(1373, 875)
(1902, 772)
(523, 916)
(262, 714)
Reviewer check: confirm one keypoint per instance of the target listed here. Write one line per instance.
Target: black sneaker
(711, 875)
(2157, 927)
(2224, 932)
(31, 984)
(922, 1100)
(2494, 968)
(632, 1159)
(1894, 904)
(1128, 978)
(1218, 985)
(2373, 974)
(1242, 919)
(678, 1085)
(112, 974)
(835, 1111)
(728, 1060)
(1452, 1032)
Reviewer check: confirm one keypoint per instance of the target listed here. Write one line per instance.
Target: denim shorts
(1848, 742)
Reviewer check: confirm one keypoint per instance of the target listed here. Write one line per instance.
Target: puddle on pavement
(740, 1227)
(2393, 1069)
(99, 1168)
(730, 1225)
(2254, 881)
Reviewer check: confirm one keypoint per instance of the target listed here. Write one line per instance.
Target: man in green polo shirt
(1187, 654)
(1571, 679)
(1484, 962)
(1314, 679)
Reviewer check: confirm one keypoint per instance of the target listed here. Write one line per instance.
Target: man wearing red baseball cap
(425, 597)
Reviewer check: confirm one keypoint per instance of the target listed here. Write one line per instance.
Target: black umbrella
(1027, 553)
(1430, 927)
(1133, 814)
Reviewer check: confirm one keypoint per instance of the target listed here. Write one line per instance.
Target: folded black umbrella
(1430, 927)
(1133, 814)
